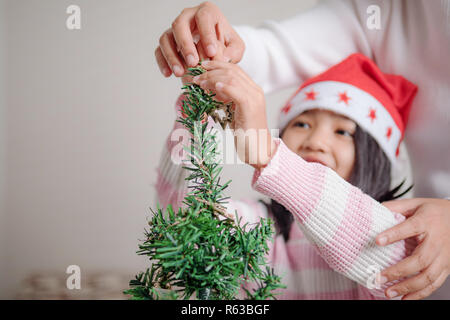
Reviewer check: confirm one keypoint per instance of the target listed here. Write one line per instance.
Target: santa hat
(379, 103)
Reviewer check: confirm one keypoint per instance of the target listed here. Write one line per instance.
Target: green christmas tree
(201, 249)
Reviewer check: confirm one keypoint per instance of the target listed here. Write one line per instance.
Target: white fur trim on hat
(352, 102)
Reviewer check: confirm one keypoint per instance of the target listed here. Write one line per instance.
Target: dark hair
(371, 173)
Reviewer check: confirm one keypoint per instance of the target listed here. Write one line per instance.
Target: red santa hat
(378, 102)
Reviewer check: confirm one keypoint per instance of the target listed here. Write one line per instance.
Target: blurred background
(83, 117)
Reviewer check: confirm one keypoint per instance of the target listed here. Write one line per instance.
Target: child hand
(186, 78)
(231, 83)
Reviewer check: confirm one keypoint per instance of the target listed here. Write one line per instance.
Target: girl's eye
(301, 124)
(344, 133)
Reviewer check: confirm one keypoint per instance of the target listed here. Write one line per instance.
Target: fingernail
(196, 38)
(211, 50)
(166, 72)
(392, 293)
(203, 83)
(219, 85)
(382, 241)
(190, 60)
(177, 70)
(383, 280)
(205, 63)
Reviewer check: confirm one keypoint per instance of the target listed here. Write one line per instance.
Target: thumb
(405, 207)
(408, 228)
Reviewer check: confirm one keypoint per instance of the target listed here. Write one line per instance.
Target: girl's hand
(428, 220)
(231, 83)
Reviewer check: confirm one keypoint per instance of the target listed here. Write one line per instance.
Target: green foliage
(201, 249)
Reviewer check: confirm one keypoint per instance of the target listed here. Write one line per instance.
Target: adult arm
(286, 53)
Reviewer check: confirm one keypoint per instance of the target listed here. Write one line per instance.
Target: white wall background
(87, 113)
(2, 149)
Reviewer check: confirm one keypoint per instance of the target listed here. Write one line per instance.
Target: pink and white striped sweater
(331, 252)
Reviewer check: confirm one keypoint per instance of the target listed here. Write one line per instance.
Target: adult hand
(231, 84)
(186, 78)
(177, 45)
(428, 220)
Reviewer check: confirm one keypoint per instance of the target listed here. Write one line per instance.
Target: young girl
(340, 135)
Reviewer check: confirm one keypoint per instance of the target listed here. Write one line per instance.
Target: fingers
(233, 69)
(203, 56)
(218, 39)
(206, 24)
(228, 85)
(210, 81)
(229, 81)
(225, 74)
(428, 290)
(188, 78)
(215, 64)
(182, 28)
(406, 229)
(422, 258)
(234, 49)
(170, 53)
(163, 66)
(403, 205)
(429, 261)
(415, 283)
(232, 91)
(218, 80)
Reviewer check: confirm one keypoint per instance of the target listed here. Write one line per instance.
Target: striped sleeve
(335, 216)
(171, 186)
(250, 212)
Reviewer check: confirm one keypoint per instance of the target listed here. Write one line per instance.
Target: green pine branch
(201, 249)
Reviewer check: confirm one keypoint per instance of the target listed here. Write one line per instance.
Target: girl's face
(325, 137)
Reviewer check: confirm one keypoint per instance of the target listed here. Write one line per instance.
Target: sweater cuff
(256, 182)
(291, 181)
